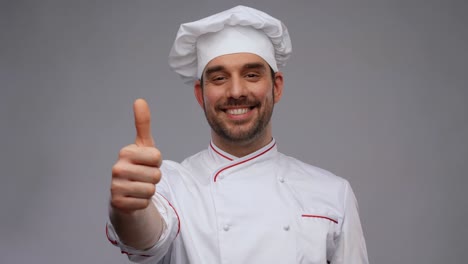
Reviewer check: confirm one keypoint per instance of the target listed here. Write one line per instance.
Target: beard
(241, 131)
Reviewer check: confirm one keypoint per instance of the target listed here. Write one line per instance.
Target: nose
(237, 88)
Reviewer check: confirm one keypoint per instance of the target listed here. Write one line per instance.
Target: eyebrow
(216, 68)
(255, 65)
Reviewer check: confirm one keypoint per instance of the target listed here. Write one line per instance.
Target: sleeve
(170, 230)
(350, 242)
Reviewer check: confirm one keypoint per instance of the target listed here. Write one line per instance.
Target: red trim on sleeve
(114, 242)
(320, 216)
(130, 254)
(219, 153)
(244, 161)
(173, 208)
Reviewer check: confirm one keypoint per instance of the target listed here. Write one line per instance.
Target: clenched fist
(136, 172)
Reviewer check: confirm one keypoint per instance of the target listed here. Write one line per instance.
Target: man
(239, 201)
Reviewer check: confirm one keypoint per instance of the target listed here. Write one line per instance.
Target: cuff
(170, 231)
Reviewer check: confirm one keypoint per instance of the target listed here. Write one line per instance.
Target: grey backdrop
(376, 92)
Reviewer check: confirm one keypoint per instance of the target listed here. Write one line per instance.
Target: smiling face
(238, 95)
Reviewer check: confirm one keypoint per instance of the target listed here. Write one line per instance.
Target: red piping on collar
(219, 153)
(244, 161)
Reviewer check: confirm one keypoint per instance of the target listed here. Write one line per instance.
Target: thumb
(142, 124)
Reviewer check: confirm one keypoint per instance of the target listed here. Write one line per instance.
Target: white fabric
(171, 223)
(183, 57)
(262, 208)
(234, 40)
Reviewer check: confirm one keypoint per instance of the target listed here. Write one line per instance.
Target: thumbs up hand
(136, 171)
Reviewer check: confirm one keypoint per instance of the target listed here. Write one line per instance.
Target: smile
(237, 111)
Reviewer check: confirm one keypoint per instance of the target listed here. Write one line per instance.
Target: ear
(198, 91)
(278, 86)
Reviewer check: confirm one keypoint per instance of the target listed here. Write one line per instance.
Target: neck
(242, 148)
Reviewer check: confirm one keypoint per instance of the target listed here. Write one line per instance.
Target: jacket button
(281, 179)
(286, 228)
(226, 227)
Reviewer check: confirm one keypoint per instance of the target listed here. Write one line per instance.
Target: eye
(218, 79)
(253, 76)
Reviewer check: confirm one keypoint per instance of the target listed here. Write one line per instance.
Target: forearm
(140, 229)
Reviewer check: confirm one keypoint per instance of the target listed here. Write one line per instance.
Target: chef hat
(239, 29)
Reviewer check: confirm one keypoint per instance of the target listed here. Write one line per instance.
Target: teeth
(238, 111)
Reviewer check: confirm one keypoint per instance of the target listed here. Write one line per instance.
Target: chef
(240, 200)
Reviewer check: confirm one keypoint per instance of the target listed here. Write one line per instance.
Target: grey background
(376, 92)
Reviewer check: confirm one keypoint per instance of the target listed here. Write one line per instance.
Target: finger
(149, 156)
(129, 204)
(142, 123)
(132, 189)
(141, 190)
(140, 173)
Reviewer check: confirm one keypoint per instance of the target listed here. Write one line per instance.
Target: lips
(237, 111)
(238, 108)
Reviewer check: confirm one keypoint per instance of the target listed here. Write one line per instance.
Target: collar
(227, 161)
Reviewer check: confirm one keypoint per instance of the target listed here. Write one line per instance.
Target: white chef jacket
(265, 207)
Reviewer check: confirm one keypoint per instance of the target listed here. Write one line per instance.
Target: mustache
(244, 101)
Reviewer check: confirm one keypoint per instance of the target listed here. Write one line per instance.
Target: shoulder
(195, 159)
(319, 191)
(173, 166)
(175, 172)
(304, 172)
